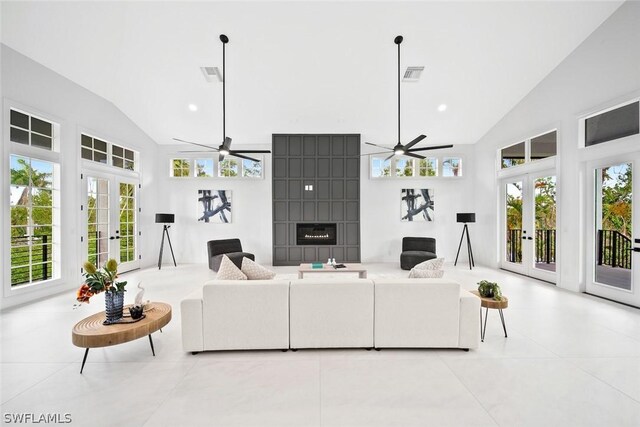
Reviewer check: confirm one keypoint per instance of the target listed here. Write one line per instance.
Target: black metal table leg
(84, 359)
(151, 342)
(504, 326)
(484, 330)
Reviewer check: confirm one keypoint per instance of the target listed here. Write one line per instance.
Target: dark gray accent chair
(229, 247)
(416, 250)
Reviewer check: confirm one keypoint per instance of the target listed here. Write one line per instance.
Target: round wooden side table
(488, 303)
(91, 333)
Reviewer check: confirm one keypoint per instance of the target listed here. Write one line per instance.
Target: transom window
(29, 130)
(93, 149)
(612, 124)
(532, 149)
(230, 167)
(34, 220)
(122, 157)
(404, 167)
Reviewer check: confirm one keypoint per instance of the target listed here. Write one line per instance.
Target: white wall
(39, 90)
(603, 71)
(251, 210)
(380, 211)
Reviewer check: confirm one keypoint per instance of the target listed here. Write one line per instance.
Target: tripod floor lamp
(163, 218)
(466, 218)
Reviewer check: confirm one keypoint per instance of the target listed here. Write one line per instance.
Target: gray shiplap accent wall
(331, 164)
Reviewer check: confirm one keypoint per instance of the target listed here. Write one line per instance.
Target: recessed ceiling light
(193, 107)
(442, 107)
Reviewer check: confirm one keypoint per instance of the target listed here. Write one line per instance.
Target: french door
(613, 238)
(111, 220)
(528, 225)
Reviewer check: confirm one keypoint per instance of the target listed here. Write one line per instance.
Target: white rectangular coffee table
(350, 268)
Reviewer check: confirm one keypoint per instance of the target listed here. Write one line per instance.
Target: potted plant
(104, 280)
(488, 289)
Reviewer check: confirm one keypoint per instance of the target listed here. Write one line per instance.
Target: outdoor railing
(545, 250)
(30, 259)
(614, 249)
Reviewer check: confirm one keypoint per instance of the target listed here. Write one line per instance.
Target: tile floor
(570, 360)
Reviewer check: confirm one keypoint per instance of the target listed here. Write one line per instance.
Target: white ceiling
(302, 66)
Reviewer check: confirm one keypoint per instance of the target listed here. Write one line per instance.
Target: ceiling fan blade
(374, 154)
(195, 143)
(196, 151)
(227, 142)
(235, 154)
(379, 146)
(251, 151)
(389, 158)
(417, 156)
(435, 147)
(414, 142)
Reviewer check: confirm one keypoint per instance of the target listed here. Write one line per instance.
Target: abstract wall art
(416, 204)
(214, 206)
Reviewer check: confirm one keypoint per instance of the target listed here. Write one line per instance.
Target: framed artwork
(416, 204)
(214, 206)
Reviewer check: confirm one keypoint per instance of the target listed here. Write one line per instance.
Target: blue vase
(114, 301)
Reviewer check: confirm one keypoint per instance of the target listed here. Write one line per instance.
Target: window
(404, 167)
(380, 167)
(180, 167)
(613, 124)
(28, 130)
(33, 204)
(513, 155)
(122, 157)
(204, 168)
(98, 220)
(529, 150)
(428, 167)
(228, 168)
(451, 166)
(93, 149)
(544, 146)
(127, 222)
(251, 169)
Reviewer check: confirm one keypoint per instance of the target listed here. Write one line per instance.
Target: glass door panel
(97, 220)
(545, 223)
(513, 222)
(127, 231)
(613, 225)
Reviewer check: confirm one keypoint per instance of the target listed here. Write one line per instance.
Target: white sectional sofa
(330, 313)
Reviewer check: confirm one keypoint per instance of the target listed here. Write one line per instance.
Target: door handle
(524, 237)
(117, 237)
(634, 249)
(111, 238)
(529, 238)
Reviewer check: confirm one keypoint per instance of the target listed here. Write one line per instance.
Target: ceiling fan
(225, 148)
(399, 149)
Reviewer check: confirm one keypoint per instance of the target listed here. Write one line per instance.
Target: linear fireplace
(316, 234)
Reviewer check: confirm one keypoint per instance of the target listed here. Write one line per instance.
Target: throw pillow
(432, 264)
(425, 274)
(255, 271)
(229, 271)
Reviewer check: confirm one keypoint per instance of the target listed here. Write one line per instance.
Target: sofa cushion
(432, 264)
(229, 271)
(255, 271)
(417, 273)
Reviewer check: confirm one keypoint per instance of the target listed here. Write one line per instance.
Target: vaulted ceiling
(305, 66)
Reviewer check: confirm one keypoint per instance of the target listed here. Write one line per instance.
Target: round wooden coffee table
(91, 333)
(488, 303)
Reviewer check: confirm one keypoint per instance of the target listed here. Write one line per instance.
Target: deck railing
(614, 249)
(30, 259)
(545, 250)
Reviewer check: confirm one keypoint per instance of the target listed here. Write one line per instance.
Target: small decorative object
(316, 265)
(488, 289)
(135, 311)
(103, 280)
(139, 295)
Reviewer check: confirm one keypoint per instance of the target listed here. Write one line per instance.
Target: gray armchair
(416, 250)
(229, 247)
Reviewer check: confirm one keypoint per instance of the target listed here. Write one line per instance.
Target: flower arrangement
(489, 290)
(99, 280)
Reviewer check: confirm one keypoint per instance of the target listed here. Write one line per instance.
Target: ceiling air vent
(412, 74)
(211, 74)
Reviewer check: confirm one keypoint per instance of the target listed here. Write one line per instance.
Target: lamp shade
(165, 218)
(466, 217)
